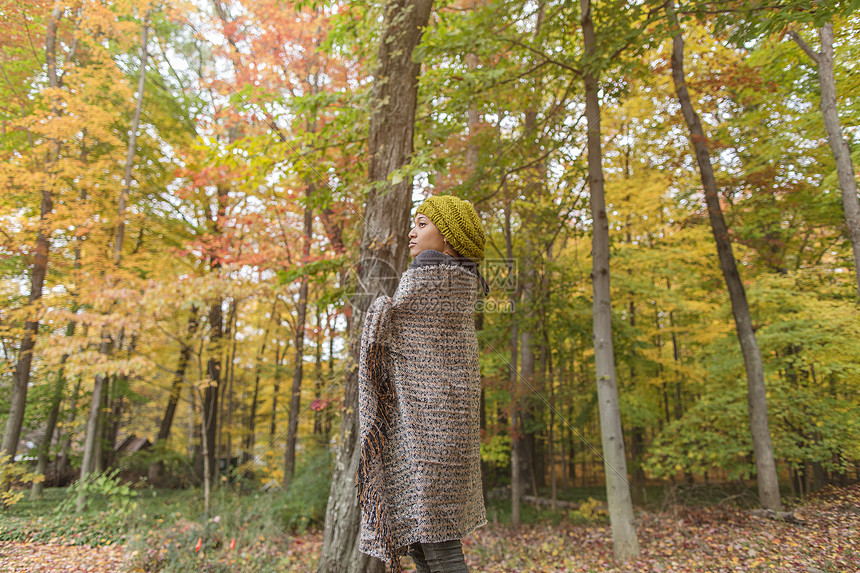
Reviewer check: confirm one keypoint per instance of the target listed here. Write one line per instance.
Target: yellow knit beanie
(458, 222)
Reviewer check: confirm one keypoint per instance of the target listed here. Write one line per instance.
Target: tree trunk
(21, 380)
(231, 403)
(383, 254)
(132, 143)
(838, 144)
(516, 391)
(210, 421)
(298, 370)
(527, 372)
(51, 423)
(91, 441)
(626, 545)
(63, 462)
(768, 485)
(210, 394)
(224, 398)
(252, 416)
(276, 389)
(207, 458)
(318, 379)
(175, 393)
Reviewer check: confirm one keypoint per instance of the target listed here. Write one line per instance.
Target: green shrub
(105, 487)
(304, 504)
(10, 474)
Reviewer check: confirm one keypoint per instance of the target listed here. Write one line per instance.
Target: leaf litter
(688, 539)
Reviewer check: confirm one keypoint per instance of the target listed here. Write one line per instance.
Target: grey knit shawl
(419, 476)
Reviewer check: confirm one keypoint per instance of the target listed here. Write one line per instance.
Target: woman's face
(425, 235)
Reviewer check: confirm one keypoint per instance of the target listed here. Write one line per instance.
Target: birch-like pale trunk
(838, 145)
(625, 542)
(516, 389)
(768, 484)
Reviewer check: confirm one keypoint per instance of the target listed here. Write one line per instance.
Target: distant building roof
(133, 444)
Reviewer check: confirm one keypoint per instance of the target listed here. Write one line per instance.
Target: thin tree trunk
(676, 357)
(210, 421)
(210, 394)
(252, 416)
(516, 392)
(155, 468)
(21, 380)
(298, 370)
(383, 255)
(768, 484)
(91, 442)
(318, 378)
(207, 458)
(231, 402)
(626, 545)
(51, 423)
(223, 398)
(276, 389)
(838, 144)
(63, 462)
(132, 143)
(530, 293)
(550, 381)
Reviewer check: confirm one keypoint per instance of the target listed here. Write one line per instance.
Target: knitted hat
(458, 222)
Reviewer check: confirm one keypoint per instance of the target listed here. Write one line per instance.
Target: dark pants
(443, 557)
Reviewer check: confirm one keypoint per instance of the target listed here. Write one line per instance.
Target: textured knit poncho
(419, 476)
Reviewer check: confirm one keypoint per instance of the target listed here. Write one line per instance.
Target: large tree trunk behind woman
(768, 486)
(383, 255)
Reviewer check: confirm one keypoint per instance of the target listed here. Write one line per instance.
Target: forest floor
(681, 538)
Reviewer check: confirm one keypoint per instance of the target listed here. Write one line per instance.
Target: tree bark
(88, 463)
(175, 392)
(231, 401)
(21, 380)
(51, 423)
(210, 394)
(838, 144)
(383, 255)
(298, 370)
(276, 389)
(132, 142)
(516, 390)
(626, 544)
(252, 416)
(318, 377)
(63, 462)
(768, 485)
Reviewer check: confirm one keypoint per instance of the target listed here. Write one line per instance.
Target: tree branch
(807, 49)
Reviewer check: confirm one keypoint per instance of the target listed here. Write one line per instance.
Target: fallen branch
(786, 516)
(547, 502)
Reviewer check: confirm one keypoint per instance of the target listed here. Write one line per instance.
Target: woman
(419, 476)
